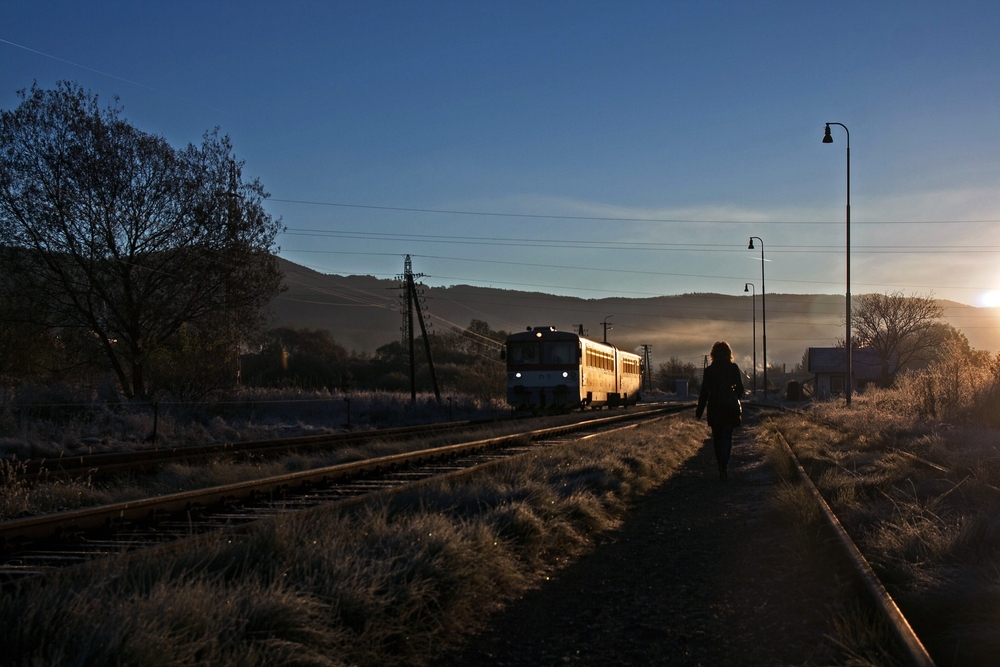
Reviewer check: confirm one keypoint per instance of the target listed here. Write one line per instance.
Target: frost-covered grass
(390, 585)
(60, 421)
(933, 540)
(18, 499)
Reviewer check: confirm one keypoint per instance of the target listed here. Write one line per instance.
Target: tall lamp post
(827, 139)
(753, 297)
(763, 309)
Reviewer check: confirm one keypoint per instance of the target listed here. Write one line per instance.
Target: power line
(640, 245)
(411, 209)
(119, 78)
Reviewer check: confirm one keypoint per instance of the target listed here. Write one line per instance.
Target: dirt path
(701, 573)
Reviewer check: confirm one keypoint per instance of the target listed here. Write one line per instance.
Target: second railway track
(35, 545)
(108, 464)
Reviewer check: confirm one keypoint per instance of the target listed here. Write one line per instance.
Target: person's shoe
(723, 476)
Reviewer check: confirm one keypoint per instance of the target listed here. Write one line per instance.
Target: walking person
(721, 389)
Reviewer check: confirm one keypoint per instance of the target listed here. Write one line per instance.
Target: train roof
(541, 333)
(551, 333)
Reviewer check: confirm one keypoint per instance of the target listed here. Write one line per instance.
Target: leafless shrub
(962, 386)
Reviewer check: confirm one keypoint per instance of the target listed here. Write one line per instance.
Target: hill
(363, 312)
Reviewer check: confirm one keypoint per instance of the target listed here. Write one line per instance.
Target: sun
(989, 299)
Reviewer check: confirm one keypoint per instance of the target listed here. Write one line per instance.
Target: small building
(829, 368)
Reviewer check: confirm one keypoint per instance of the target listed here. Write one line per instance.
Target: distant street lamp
(763, 308)
(753, 299)
(827, 139)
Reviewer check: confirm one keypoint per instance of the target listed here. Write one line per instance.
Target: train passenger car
(550, 369)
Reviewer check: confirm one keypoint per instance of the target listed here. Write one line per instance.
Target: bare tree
(899, 329)
(126, 239)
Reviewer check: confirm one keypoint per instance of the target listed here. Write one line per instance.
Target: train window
(559, 352)
(522, 353)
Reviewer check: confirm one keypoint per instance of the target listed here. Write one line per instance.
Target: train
(554, 370)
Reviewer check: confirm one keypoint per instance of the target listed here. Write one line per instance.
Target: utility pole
(413, 302)
(427, 341)
(408, 328)
(606, 327)
(647, 380)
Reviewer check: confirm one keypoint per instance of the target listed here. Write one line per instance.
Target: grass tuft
(861, 635)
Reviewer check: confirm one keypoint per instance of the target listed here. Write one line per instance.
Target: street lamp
(763, 309)
(753, 298)
(827, 139)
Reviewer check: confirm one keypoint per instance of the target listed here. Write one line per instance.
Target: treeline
(465, 360)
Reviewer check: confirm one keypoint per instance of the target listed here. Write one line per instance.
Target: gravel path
(700, 573)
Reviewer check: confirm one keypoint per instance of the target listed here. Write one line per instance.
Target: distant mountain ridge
(363, 313)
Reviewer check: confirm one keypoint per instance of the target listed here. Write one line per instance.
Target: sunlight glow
(989, 299)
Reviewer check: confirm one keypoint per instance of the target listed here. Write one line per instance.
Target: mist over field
(363, 313)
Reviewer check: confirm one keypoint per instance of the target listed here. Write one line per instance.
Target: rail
(900, 627)
(111, 463)
(18, 534)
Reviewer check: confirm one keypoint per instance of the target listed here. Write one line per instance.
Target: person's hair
(721, 351)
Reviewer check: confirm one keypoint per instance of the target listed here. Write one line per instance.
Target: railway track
(113, 463)
(902, 631)
(140, 462)
(36, 545)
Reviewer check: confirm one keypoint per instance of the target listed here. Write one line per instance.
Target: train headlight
(517, 375)
(565, 374)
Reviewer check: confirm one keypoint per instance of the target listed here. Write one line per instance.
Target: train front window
(559, 352)
(519, 354)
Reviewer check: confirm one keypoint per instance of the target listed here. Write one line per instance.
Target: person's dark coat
(721, 378)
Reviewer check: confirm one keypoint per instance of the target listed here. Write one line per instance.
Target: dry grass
(933, 540)
(862, 636)
(18, 499)
(390, 585)
(60, 421)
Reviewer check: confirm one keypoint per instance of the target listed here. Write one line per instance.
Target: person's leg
(722, 438)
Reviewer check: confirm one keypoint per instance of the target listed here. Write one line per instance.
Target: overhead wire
(866, 249)
(411, 209)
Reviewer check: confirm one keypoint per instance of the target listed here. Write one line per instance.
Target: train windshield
(559, 352)
(519, 354)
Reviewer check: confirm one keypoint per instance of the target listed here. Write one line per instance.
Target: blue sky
(684, 127)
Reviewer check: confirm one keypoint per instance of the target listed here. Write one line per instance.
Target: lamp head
(746, 287)
(827, 139)
(750, 247)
